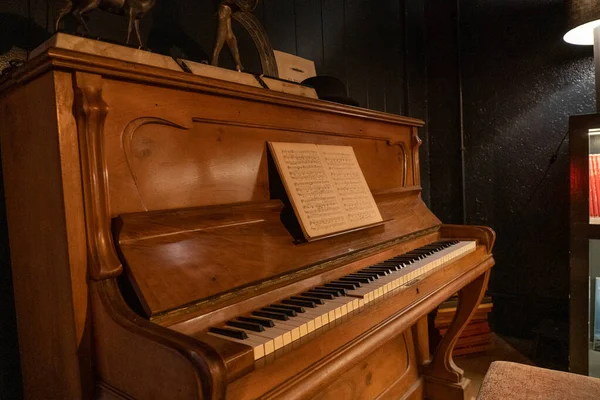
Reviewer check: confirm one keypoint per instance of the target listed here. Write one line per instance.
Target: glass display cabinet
(584, 153)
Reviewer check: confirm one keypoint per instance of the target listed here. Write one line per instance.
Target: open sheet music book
(326, 187)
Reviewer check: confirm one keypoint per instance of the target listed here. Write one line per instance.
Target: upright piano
(155, 256)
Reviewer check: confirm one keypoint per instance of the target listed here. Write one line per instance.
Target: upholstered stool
(511, 381)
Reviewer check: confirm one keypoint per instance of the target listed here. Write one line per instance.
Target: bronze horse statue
(134, 10)
(241, 11)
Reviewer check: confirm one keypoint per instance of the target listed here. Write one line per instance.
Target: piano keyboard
(277, 325)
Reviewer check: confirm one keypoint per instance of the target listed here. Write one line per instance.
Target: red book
(593, 176)
(596, 178)
(592, 186)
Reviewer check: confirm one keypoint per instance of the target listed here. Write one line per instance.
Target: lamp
(584, 29)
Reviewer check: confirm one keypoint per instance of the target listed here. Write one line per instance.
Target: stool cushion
(511, 381)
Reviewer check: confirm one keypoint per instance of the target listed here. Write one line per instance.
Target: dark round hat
(330, 88)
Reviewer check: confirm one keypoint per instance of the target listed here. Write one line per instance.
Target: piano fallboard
(217, 254)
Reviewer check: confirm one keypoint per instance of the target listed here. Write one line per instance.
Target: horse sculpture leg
(129, 15)
(136, 24)
(221, 33)
(233, 47)
(63, 12)
(225, 34)
(79, 11)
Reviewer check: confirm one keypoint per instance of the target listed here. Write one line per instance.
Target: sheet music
(351, 185)
(309, 187)
(326, 187)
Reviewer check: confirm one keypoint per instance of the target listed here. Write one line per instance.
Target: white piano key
(273, 339)
(257, 347)
(293, 328)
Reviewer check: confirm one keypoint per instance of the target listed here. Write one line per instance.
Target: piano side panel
(176, 149)
(41, 179)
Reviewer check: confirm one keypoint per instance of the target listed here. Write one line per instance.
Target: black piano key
(422, 251)
(369, 278)
(262, 321)
(341, 286)
(302, 298)
(246, 325)
(394, 261)
(397, 260)
(298, 309)
(387, 266)
(271, 315)
(357, 275)
(372, 277)
(319, 295)
(377, 272)
(403, 259)
(338, 282)
(413, 253)
(234, 333)
(302, 303)
(388, 269)
(367, 272)
(354, 279)
(416, 256)
(289, 313)
(336, 292)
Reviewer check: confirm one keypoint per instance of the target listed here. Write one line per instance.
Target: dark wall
(377, 48)
(516, 84)
(443, 119)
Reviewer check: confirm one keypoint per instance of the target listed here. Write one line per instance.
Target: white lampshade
(584, 16)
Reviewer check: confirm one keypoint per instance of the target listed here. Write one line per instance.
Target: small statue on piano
(224, 32)
(241, 11)
(134, 10)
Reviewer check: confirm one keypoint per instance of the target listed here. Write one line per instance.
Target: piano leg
(443, 379)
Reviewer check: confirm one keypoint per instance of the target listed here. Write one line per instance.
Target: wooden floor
(476, 365)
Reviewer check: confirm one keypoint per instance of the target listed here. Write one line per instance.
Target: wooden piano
(154, 257)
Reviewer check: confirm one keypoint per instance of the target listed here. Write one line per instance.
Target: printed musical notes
(326, 187)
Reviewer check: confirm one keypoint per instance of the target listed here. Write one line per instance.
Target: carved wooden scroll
(415, 156)
(127, 138)
(90, 111)
(403, 161)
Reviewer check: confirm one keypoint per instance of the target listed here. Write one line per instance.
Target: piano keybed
(280, 324)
